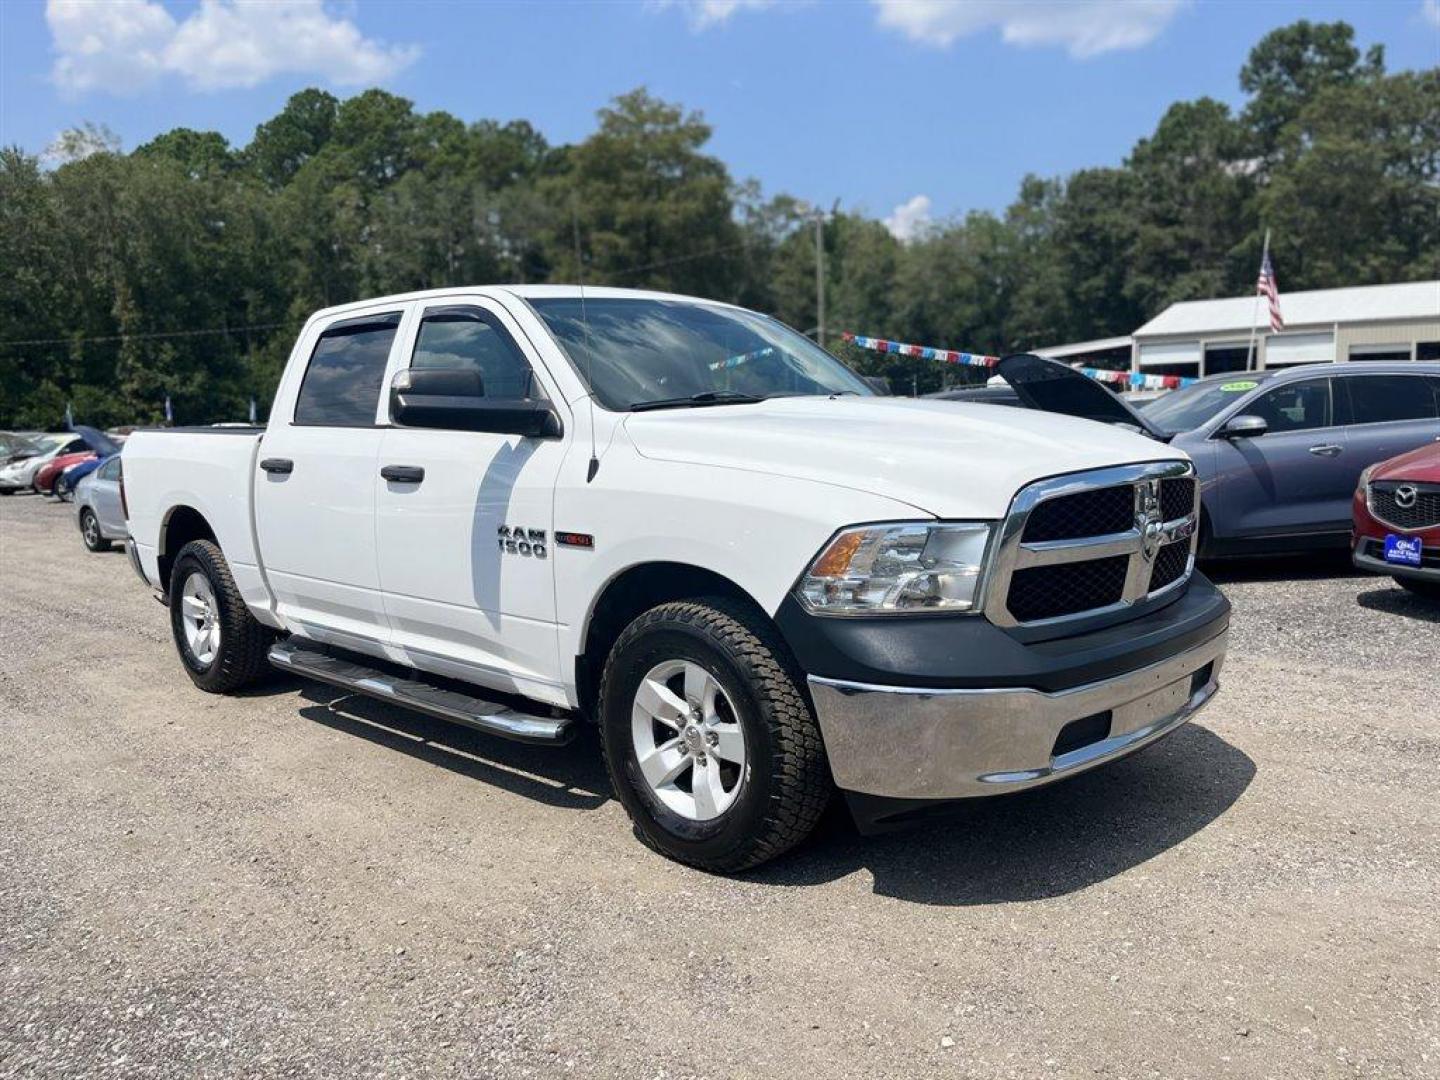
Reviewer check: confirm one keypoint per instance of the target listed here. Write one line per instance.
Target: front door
(315, 488)
(466, 536)
(1292, 480)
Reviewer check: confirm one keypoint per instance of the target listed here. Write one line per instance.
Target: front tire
(1430, 590)
(710, 743)
(90, 531)
(221, 644)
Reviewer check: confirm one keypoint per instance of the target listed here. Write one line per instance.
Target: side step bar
(413, 693)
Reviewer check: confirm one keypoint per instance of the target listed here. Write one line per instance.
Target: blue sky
(878, 103)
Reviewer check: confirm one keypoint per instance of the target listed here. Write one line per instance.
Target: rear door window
(1379, 399)
(110, 470)
(1297, 406)
(342, 381)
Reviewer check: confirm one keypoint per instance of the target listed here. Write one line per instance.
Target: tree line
(120, 268)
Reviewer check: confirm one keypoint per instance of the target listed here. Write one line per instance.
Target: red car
(1397, 520)
(51, 470)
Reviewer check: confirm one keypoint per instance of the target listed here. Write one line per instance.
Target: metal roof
(1318, 307)
(1081, 347)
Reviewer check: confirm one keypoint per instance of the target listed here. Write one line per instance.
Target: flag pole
(1255, 309)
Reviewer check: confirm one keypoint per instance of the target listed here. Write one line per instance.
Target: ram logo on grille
(1149, 520)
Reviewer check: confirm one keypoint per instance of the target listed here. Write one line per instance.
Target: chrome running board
(414, 693)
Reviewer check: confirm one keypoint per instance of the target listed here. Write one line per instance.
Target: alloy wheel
(688, 740)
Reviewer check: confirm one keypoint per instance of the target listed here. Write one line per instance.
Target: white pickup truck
(526, 508)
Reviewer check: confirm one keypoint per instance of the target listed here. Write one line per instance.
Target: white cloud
(1085, 27)
(126, 45)
(1431, 10)
(910, 219)
(704, 14)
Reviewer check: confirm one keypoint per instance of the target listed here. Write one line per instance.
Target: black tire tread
(244, 642)
(803, 787)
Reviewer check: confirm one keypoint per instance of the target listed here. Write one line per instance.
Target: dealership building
(1204, 337)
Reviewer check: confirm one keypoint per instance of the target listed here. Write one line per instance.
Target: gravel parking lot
(296, 883)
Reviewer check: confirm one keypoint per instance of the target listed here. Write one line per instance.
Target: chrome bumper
(132, 555)
(912, 743)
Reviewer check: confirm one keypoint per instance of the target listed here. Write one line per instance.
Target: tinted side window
(469, 339)
(1297, 407)
(110, 470)
(342, 383)
(1375, 399)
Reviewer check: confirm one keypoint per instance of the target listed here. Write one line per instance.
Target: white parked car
(528, 508)
(19, 474)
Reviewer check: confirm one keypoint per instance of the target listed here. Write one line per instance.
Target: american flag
(1267, 287)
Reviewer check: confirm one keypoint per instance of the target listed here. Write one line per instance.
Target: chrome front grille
(1094, 542)
(1405, 505)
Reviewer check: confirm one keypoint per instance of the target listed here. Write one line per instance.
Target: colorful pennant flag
(1137, 380)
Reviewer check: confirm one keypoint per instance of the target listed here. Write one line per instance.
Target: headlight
(1365, 475)
(898, 569)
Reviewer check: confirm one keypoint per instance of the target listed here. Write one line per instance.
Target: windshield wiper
(709, 397)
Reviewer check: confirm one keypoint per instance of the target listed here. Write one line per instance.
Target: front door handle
(1328, 450)
(403, 474)
(282, 465)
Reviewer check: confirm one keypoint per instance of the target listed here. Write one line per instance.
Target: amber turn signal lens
(836, 560)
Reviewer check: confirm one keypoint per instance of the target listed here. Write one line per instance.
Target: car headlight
(1365, 475)
(898, 568)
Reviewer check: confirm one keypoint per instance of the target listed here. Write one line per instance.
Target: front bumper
(920, 743)
(1367, 556)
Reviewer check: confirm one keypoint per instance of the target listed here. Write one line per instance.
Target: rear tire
(752, 780)
(1430, 590)
(220, 643)
(90, 531)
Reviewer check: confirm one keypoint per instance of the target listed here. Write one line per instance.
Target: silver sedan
(99, 510)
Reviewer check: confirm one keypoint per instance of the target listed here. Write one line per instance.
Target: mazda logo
(1405, 496)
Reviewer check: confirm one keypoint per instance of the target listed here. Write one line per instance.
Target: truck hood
(946, 458)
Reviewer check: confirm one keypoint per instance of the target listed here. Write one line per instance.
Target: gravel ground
(293, 883)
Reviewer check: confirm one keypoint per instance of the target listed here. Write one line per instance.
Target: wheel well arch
(181, 525)
(635, 590)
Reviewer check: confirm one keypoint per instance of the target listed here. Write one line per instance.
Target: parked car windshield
(635, 352)
(1187, 409)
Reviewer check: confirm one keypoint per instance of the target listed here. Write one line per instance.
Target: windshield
(635, 352)
(16, 445)
(1187, 409)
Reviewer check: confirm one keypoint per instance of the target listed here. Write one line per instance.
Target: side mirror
(456, 401)
(1245, 426)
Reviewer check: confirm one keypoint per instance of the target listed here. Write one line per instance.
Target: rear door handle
(403, 474)
(282, 465)
(1328, 450)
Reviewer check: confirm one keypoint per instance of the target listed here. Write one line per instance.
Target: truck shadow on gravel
(1029, 846)
(1042, 843)
(571, 778)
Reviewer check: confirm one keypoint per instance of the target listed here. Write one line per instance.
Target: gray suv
(1278, 452)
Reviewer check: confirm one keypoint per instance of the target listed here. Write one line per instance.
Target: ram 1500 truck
(527, 508)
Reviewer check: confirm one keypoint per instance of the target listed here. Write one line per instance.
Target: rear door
(315, 483)
(1389, 414)
(106, 497)
(465, 551)
(1292, 480)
